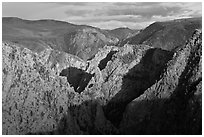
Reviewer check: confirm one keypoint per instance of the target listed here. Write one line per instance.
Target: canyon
(109, 88)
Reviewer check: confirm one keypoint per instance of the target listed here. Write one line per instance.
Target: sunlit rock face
(38, 95)
(30, 92)
(172, 105)
(133, 89)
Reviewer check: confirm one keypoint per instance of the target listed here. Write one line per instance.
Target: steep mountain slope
(173, 105)
(134, 89)
(38, 99)
(25, 82)
(168, 35)
(85, 42)
(38, 35)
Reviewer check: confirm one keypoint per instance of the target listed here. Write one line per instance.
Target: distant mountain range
(123, 33)
(80, 40)
(168, 35)
(85, 41)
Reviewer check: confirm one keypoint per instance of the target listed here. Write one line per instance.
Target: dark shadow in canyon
(160, 118)
(180, 114)
(172, 116)
(80, 116)
(135, 82)
(77, 78)
(113, 111)
(187, 110)
(104, 61)
(177, 115)
(83, 115)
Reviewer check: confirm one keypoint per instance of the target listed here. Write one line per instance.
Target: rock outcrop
(173, 104)
(134, 89)
(37, 100)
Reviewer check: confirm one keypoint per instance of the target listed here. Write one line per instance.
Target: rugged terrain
(37, 35)
(168, 35)
(84, 41)
(133, 89)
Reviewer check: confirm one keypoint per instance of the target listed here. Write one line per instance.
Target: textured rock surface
(36, 100)
(173, 104)
(31, 96)
(134, 69)
(134, 89)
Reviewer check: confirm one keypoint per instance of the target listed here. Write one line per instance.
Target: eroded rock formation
(173, 104)
(134, 89)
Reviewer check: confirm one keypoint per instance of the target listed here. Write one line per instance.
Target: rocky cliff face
(33, 96)
(38, 99)
(172, 105)
(134, 89)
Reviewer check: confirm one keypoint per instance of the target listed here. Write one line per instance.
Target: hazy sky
(103, 15)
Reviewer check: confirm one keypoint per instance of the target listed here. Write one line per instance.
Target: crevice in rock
(104, 61)
(77, 78)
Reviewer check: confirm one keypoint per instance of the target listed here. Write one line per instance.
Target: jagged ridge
(139, 90)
